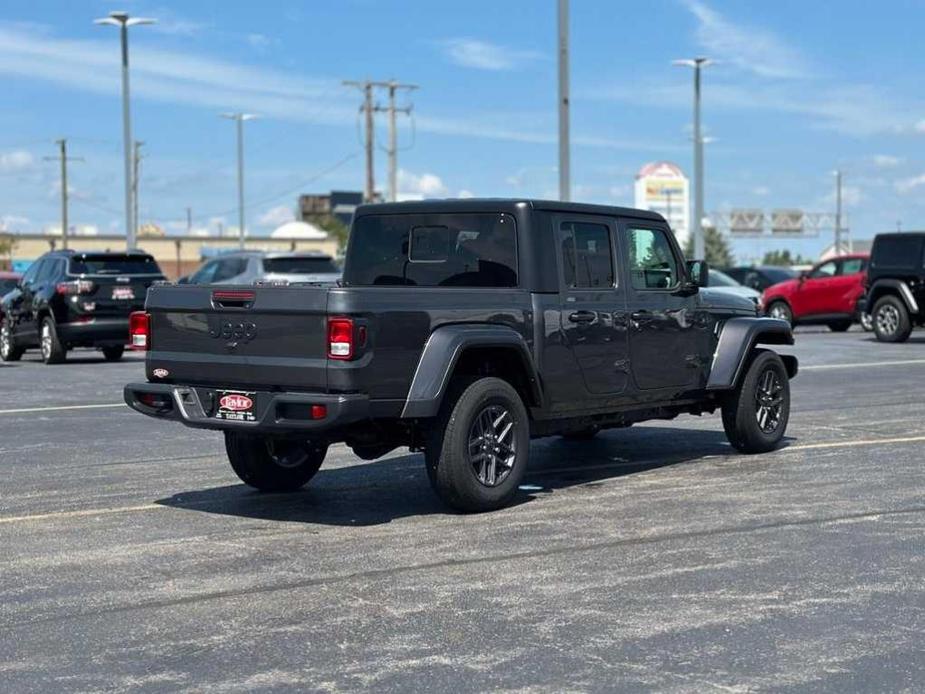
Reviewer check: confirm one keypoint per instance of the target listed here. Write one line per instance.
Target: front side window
(433, 250)
(852, 266)
(32, 272)
(205, 274)
(228, 268)
(652, 262)
(825, 270)
(587, 258)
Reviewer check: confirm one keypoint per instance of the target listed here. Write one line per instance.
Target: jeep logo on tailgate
(233, 330)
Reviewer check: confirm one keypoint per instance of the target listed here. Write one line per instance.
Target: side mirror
(698, 273)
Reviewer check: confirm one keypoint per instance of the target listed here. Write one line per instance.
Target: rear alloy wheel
(8, 349)
(755, 415)
(781, 311)
(477, 449)
(273, 464)
(891, 320)
(867, 322)
(53, 352)
(113, 353)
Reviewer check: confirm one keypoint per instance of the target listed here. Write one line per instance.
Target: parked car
(828, 294)
(720, 281)
(247, 267)
(8, 282)
(760, 277)
(70, 299)
(463, 328)
(896, 285)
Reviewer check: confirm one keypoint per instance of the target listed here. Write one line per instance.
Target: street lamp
(123, 21)
(697, 231)
(239, 119)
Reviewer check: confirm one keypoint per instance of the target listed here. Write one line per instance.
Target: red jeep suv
(828, 294)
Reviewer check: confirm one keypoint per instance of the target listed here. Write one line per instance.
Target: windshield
(300, 265)
(114, 265)
(721, 279)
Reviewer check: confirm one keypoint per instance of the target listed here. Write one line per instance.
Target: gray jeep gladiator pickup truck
(464, 328)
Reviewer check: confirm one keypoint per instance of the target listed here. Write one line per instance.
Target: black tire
(53, 352)
(273, 464)
(840, 326)
(750, 428)
(780, 309)
(581, 434)
(9, 350)
(477, 413)
(113, 353)
(891, 319)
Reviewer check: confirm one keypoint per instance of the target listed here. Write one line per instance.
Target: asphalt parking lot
(651, 558)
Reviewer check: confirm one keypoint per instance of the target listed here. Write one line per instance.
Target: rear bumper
(100, 331)
(274, 412)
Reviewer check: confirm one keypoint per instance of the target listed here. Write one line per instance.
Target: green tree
(718, 254)
(7, 243)
(335, 228)
(784, 258)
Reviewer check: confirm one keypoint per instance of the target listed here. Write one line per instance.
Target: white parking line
(862, 365)
(24, 410)
(77, 514)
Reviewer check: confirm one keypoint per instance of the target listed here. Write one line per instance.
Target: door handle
(640, 318)
(583, 317)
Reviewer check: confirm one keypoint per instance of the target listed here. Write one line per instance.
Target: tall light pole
(838, 177)
(699, 247)
(565, 187)
(239, 119)
(123, 21)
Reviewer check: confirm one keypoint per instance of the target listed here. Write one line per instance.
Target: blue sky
(800, 89)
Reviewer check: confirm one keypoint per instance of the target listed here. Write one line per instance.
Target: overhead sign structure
(746, 222)
(787, 222)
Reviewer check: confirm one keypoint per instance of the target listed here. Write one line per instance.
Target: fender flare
(737, 339)
(899, 286)
(441, 353)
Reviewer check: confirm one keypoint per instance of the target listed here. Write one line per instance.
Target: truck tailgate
(239, 336)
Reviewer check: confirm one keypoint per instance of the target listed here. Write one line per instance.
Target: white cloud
(886, 161)
(259, 40)
(482, 55)
(464, 194)
(416, 187)
(920, 126)
(907, 185)
(13, 222)
(761, 190)
(275, 216)
(16, 161)
(756, 50)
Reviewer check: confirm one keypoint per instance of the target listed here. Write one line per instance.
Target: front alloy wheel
(769, 400)
(8, 349)
(781, 311)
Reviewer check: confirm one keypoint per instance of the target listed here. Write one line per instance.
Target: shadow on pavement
(385, 490)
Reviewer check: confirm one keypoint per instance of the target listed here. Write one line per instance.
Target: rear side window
(587, 258)
(229, 267)
(852, 266)
(435, 250)
(897, 252)
(300, 265)
(114, 265)
(652, 263)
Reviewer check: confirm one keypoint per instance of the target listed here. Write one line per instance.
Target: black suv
(896, 285)
(70, 299)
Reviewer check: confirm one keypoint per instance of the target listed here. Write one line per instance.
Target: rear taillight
(139, 330)
(340, 338)
(75, 287)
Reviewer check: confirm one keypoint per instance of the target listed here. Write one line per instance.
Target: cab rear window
(296, 265)
(113, 265)
(436, 250)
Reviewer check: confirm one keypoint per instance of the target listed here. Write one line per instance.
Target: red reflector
(233, 295)
(154, 400)
(139, 330)
(340, 338)
(319, 411)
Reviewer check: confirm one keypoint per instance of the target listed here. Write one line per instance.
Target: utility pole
(366, 86)
(189, 221)
(392, 150)
(239, 119)
(668, 208)
(136, 163)
(838, 213)
(565, 188)
(63, 158)
(697, 227)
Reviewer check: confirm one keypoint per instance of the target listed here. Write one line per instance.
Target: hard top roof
(500, 205)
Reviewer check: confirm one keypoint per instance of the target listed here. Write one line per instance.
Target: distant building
(338, 203)
(662, 187)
